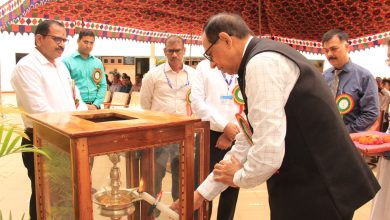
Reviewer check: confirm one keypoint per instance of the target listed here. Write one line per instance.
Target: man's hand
(175, 206)
(198, 201)
(231, 130)
(223, 142)
(92, 107)
(224, 171)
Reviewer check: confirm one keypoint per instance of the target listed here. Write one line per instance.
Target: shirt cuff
(223, 124)
(206, 189)
(237, 178)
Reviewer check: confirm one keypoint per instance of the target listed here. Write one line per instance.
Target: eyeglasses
(171, 51)
(56, 39)
(206, 55)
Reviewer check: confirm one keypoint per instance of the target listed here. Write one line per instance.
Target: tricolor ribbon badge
(244, 125)
(242, 122)
(76, 100)
(188, 102)
(344, 103)
(237, 96)
(97, 76)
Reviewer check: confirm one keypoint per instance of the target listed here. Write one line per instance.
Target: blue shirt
(82, 71)
(361, 85)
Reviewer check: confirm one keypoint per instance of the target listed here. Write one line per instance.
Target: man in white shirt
(165, 88)
(212, 100)
(43, 84)
(381, 202)
(294, 137)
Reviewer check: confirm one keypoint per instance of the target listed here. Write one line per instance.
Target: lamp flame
(141, 186)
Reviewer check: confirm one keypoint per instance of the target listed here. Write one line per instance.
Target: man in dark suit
(294, 139)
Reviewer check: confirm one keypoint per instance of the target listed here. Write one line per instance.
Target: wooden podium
(63, 183)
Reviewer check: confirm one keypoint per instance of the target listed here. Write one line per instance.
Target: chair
(135, 101)
(119, 100)
(106, 101)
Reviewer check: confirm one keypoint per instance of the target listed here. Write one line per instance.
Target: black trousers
(228, 198)
(28, 161)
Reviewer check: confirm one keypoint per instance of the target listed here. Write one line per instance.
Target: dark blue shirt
(125, 89)
(361, 85)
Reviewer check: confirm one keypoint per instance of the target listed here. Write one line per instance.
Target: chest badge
(344, 103)
(97, 76)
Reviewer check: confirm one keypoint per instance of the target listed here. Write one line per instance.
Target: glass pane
(158, 170)
(56, 177)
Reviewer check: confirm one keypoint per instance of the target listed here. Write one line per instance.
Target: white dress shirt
(156, 93)
(211, 96)
(269, 79)
(42, 87)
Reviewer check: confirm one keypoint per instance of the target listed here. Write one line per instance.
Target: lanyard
(170, 82)
(228, 82)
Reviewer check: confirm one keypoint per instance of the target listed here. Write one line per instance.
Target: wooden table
(64, 183)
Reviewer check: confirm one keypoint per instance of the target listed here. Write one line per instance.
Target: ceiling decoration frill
(299, 23)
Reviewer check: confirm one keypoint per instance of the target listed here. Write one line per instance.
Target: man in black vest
(299, 144)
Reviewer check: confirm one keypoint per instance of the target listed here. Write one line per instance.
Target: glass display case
(119, 164)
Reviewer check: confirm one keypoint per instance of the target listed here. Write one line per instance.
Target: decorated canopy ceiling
(300, 23)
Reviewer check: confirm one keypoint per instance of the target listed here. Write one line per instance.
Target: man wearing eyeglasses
(87, 71)
(164, 89)
(295, 139)
(43, 84)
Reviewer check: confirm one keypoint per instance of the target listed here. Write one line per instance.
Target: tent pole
(190, 61)
(259, 18)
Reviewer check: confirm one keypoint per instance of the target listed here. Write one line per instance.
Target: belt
(91, 103)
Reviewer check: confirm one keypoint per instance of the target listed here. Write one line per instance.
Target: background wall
(372, 59)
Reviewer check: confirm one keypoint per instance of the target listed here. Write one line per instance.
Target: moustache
(332, 58)
(60, 48)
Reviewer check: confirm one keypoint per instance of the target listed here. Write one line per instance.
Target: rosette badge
(237, 96)
(344, 103)
(97, 75)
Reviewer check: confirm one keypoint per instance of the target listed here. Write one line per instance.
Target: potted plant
(10, 135)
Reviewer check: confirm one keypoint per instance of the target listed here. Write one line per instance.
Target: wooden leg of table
(82, 179)
(187, 184)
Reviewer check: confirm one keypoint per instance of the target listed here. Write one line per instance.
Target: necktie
(335, 82)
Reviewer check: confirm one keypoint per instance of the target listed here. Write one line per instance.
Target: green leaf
(6, 140)
(1, 133)
(3, 146)
(13, 144)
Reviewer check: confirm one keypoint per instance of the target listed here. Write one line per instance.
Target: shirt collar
(167, 68)
(77, 53)
(41, 58)
(246, 45)
(346, 68)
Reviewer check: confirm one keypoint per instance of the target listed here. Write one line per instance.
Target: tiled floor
(15, 188)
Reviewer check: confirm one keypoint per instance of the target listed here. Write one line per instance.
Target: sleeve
(82, 106)
(385, 92)
(146, 92)
(102, 87)
(209, 189)
(369, 106)
(198, 103)
(28, 87)
(266, 86)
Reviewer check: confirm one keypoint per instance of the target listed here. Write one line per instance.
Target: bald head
(174, 39)
(230, 23)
